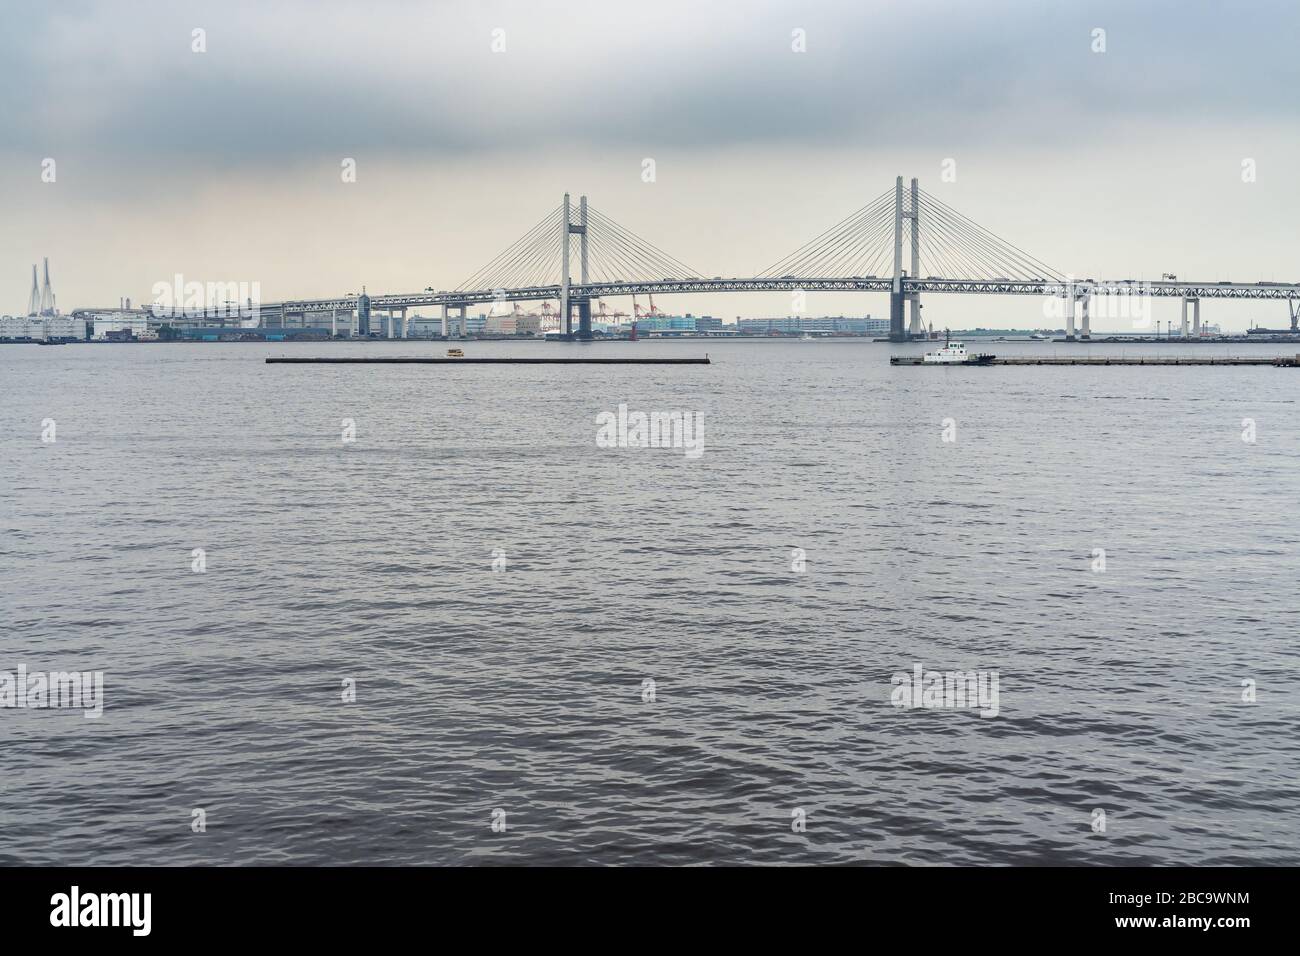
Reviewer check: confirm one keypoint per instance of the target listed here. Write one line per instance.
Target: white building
(137, 324)
(64, 327)
(22, 327)
(500, 325)
(40, 328)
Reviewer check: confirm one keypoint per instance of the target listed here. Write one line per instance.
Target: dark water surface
(522, 690)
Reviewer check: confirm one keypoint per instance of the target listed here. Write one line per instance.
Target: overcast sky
(225, 165)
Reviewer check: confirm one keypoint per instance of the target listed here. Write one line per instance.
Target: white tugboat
(954, 353)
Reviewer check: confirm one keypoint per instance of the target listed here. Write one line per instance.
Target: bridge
(948, 253)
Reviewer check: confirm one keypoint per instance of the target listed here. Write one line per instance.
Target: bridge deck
(1048, 287)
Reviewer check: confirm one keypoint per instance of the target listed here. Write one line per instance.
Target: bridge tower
(896, 292)
(914, 298)
(34, 300)
(898, 295)
(568, 228)
(584, 303)
(566, 319)
(47, 293)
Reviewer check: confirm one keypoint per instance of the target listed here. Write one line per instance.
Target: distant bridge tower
(902, 210)
(47, 294)
(34, 299)
(568, 228)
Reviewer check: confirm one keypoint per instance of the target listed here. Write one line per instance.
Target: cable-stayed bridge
(576, 254)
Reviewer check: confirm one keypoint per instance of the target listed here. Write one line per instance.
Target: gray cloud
(292, 79)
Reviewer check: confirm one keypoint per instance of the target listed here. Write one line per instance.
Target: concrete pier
(1281, 361)
(400, 360)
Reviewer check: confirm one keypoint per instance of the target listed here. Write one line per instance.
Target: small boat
(455, 353)
(954, 353)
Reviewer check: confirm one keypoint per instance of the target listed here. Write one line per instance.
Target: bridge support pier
(896, 333)
(446, 312)
(1085, 304)
(1196, 317)
(584, 319)
(1069, 316)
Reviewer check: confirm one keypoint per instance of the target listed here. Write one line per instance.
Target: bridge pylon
(569, 228)
(910, 210)
(914, 298)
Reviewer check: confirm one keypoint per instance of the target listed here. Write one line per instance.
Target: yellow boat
(455, 353)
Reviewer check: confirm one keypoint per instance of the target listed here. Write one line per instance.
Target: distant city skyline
(127, 157)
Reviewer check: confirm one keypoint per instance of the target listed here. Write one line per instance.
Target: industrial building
(824, 325)
(666, 323)
(121, 326)
(500, 325)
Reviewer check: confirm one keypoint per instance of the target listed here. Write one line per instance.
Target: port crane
(653, 312)
(604, 314)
